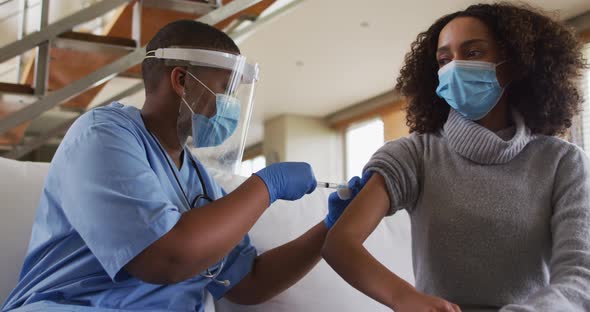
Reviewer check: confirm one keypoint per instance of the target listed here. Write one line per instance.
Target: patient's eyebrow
(472, 41)
(447, 49)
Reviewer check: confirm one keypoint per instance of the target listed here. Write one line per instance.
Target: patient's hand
(415, 301)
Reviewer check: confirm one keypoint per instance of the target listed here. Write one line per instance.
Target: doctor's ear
(177, 77)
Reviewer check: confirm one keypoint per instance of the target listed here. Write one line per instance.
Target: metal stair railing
(79, 41)
(54, 98)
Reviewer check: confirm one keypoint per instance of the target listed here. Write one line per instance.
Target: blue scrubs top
(108, 195)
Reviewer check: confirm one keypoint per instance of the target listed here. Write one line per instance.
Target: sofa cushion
(20, 189)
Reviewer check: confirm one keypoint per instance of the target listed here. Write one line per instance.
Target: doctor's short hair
(544, 52)
(188, 33)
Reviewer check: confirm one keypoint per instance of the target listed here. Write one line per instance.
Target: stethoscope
(212, 275)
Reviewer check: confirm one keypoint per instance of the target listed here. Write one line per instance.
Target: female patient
(500, 207)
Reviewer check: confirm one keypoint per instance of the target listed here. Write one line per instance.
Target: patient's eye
(443, 61)
(474, 53)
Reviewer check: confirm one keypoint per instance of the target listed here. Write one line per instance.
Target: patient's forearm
(280, 268)
(344, 251)
(361, 270)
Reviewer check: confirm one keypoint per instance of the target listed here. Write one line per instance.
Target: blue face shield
(470, 87)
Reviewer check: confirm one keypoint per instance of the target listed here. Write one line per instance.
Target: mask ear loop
(496, 68)
(204, 85)
(504, 87)
(183, 100)
(197, 79)
(503, 62)
(187, 105)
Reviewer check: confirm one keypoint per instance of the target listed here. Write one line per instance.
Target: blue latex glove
(336, 205)
(288, 180)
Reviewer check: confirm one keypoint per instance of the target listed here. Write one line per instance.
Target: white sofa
(321, 290)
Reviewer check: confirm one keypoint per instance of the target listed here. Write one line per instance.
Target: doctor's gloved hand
(288, 180)
(336, 205)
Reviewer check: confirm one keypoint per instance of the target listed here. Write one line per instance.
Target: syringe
(341, 189)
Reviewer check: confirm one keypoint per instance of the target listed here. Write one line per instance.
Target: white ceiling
(326, 55)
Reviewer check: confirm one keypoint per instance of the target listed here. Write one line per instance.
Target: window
(362, 141)
(251, 166)
(586, 108)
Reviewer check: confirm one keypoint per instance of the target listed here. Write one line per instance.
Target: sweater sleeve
(399, 162)
(569, 288)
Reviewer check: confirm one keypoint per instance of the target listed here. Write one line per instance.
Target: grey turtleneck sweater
(500, 221)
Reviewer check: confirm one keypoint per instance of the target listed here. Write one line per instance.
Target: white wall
(307, 139)
(274, 145)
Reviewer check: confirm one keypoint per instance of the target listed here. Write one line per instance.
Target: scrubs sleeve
(238, 264)
(112, 197)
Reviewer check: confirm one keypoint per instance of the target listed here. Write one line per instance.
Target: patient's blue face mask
(213, 131)
(470, 87)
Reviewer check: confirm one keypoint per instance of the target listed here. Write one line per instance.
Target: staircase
(69, 68)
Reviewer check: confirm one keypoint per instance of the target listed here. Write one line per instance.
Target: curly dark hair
(545, 53)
